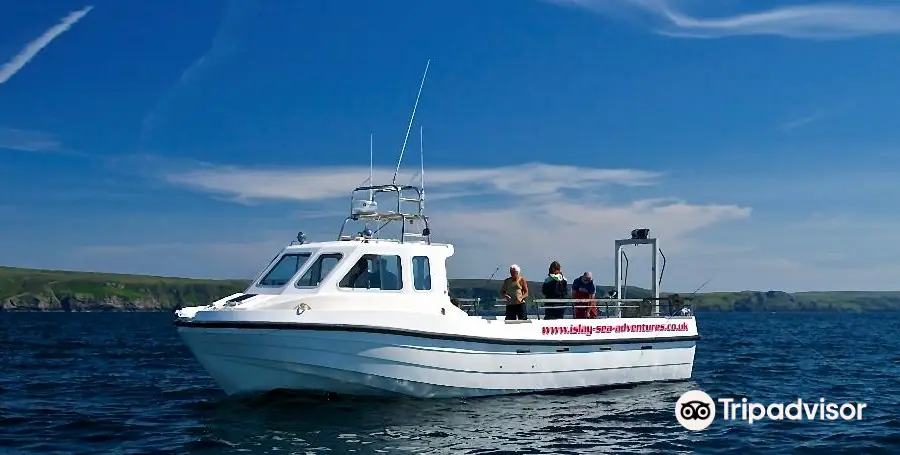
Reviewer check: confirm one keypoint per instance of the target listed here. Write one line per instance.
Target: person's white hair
(515, 267)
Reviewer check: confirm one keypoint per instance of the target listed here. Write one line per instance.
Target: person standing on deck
(583, 288)
(555, 287)
(515, 290)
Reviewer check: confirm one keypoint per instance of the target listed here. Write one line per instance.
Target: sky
(757, 139)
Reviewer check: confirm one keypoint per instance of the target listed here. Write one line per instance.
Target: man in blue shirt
(583, 288)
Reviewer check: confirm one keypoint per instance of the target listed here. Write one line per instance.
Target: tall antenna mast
(369, 205)
(422, 163)
(409, 127)
(371, 181)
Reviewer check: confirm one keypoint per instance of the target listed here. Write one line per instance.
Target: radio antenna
(371, 182)
(409, 127)
(371, 201)
(422, 163)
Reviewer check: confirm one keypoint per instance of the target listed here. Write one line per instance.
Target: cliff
(50, 290)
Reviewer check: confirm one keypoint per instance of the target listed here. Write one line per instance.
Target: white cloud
(805, 21)
(522, 213)
(804, 233)
(28, 141)
(316, 183)
(795, 123)
(31, 50)
(34, 141)
(783, 246)
(798, 121)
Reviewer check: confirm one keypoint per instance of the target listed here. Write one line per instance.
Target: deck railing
(669, 306)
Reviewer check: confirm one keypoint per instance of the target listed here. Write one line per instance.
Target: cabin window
(284, 269)
(421, 273)
(374, 271)
(319, 270)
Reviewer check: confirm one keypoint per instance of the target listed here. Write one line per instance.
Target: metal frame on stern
(358, 214)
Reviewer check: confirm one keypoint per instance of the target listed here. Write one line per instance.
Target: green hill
(51, 290)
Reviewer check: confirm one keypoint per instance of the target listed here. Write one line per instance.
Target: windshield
(284, 269)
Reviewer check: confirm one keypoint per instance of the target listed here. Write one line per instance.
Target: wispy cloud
(522, 213)
(28, 140)
(223, 44)
(801, 121)
(815, 116)
(30, 50)
(35, 142)
(316, 183)
(738, 229)
(806, 21)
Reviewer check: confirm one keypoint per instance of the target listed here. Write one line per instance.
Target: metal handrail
(605, 304)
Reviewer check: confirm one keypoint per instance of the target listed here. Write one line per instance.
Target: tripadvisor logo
(696, 410)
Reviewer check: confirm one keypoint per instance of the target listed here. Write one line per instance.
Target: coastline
(35, 290)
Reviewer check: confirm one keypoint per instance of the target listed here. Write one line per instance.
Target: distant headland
(52, 290)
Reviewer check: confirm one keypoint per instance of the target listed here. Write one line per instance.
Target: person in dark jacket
(555, 287)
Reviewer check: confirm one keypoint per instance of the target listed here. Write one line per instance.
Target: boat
(371, 314)
(368, 316)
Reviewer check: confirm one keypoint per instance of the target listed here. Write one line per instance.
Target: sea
(98, 383)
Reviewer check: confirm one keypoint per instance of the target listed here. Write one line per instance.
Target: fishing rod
(677, 299)
(699, 288)
(486, 282)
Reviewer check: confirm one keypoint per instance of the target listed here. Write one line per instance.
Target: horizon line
(486, 280)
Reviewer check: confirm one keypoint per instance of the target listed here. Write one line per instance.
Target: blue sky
(758, 139)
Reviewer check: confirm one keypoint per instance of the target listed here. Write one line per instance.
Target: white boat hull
(363, 362)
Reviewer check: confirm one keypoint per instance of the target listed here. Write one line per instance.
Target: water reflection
(634, 419)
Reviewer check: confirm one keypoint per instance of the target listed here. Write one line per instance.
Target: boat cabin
(409, 265)
(357, 265)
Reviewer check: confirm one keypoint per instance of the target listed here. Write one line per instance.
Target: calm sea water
(123, 383)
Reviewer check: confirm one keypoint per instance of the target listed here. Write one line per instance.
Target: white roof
(376, 245)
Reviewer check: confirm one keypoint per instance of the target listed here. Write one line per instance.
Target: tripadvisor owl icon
(695, 410)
